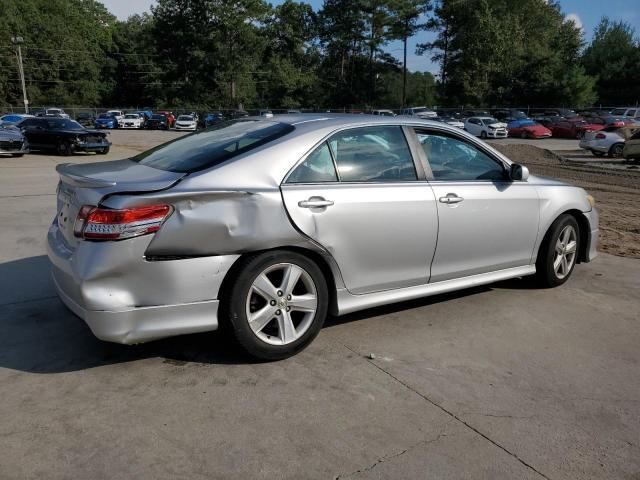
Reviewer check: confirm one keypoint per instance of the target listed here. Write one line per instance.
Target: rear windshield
(213, 146)
(156, 116)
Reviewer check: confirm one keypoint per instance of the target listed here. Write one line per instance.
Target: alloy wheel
(281, 303)
(565, 252)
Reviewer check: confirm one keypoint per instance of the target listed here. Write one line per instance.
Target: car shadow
(40, 335)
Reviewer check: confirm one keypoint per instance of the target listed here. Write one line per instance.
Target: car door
(360, 196)
(486, 221)
(473, 126)
(33, 129)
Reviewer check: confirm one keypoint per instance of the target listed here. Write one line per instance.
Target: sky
(585, 13)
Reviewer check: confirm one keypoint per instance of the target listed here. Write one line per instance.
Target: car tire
(103, 151)
(289, 321)
(558, 253)
(524, 135)
(616, 150)
(64, 148)
(483, 135)
(17, 155)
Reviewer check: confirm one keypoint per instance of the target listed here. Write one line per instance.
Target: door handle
(451, 198)
(315, 202)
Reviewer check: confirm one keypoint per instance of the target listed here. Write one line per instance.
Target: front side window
(373, 154)
(452, 159)
(318, 167)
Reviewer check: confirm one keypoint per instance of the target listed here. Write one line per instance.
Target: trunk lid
(88, 184)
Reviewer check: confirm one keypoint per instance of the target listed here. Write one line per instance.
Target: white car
(632, 112)
(486, 127)
(383, 113)
(132, 120)
(454, 122)
(54, 112)
(186, 122)
(608, 141)
(266, 113)
(421, 112)
(118, 114)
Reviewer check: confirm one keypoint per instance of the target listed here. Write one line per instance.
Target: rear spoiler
(65, 170)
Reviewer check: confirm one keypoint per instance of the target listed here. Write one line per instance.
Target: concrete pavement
(498, 382)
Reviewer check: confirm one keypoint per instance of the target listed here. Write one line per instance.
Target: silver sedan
(267, 226)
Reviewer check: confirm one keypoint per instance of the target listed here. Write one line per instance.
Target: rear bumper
(144, 324)
(125, 298)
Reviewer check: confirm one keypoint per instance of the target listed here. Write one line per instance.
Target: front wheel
(524, 135)
(64, 148)
(483, 134)
(558, 252)
(277, 303)
(103, 151)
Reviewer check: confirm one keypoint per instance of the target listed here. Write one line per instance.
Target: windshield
(527, 123)
(212, 146)
(185, 118)
(54, 111)
(489, 121)
(105, 116)
(132, 115)
(63, 124)
(158, 117)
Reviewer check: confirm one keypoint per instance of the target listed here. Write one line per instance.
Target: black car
(86, 119)
(12, 141)
(157, 122)
(63, 135)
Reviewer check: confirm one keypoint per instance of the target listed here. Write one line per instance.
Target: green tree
(501, 52)
(614, 58)
(64, 50)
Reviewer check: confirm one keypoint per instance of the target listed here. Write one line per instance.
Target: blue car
(12, 118)
(106, 120)
(212, 118)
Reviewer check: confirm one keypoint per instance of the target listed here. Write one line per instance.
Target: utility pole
(17, 41)
(404, 66)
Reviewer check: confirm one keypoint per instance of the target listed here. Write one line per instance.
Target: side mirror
(519, 172)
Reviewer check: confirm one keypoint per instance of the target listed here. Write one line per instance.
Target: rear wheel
(523, 135)
(558, 252)
(277, 304)
(103, 151)
(616, 150)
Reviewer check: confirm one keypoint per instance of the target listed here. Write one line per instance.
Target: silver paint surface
(382, 242)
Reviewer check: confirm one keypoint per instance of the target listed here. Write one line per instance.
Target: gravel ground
(617, 194)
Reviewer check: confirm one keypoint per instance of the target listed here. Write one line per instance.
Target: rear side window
(213, 146)
(318, 167)
(373, 154)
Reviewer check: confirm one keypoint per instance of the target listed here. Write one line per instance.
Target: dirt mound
(617, 194)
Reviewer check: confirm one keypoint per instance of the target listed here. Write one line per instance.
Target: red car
(527, 128)
(572, 128)
(170, 117)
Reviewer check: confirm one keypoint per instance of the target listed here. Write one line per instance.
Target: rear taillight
(600, 136)
(95, 223)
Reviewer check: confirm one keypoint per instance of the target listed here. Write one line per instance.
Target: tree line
(225, 54)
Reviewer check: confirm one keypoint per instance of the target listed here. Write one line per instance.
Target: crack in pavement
(451, 414)
(386, 458)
